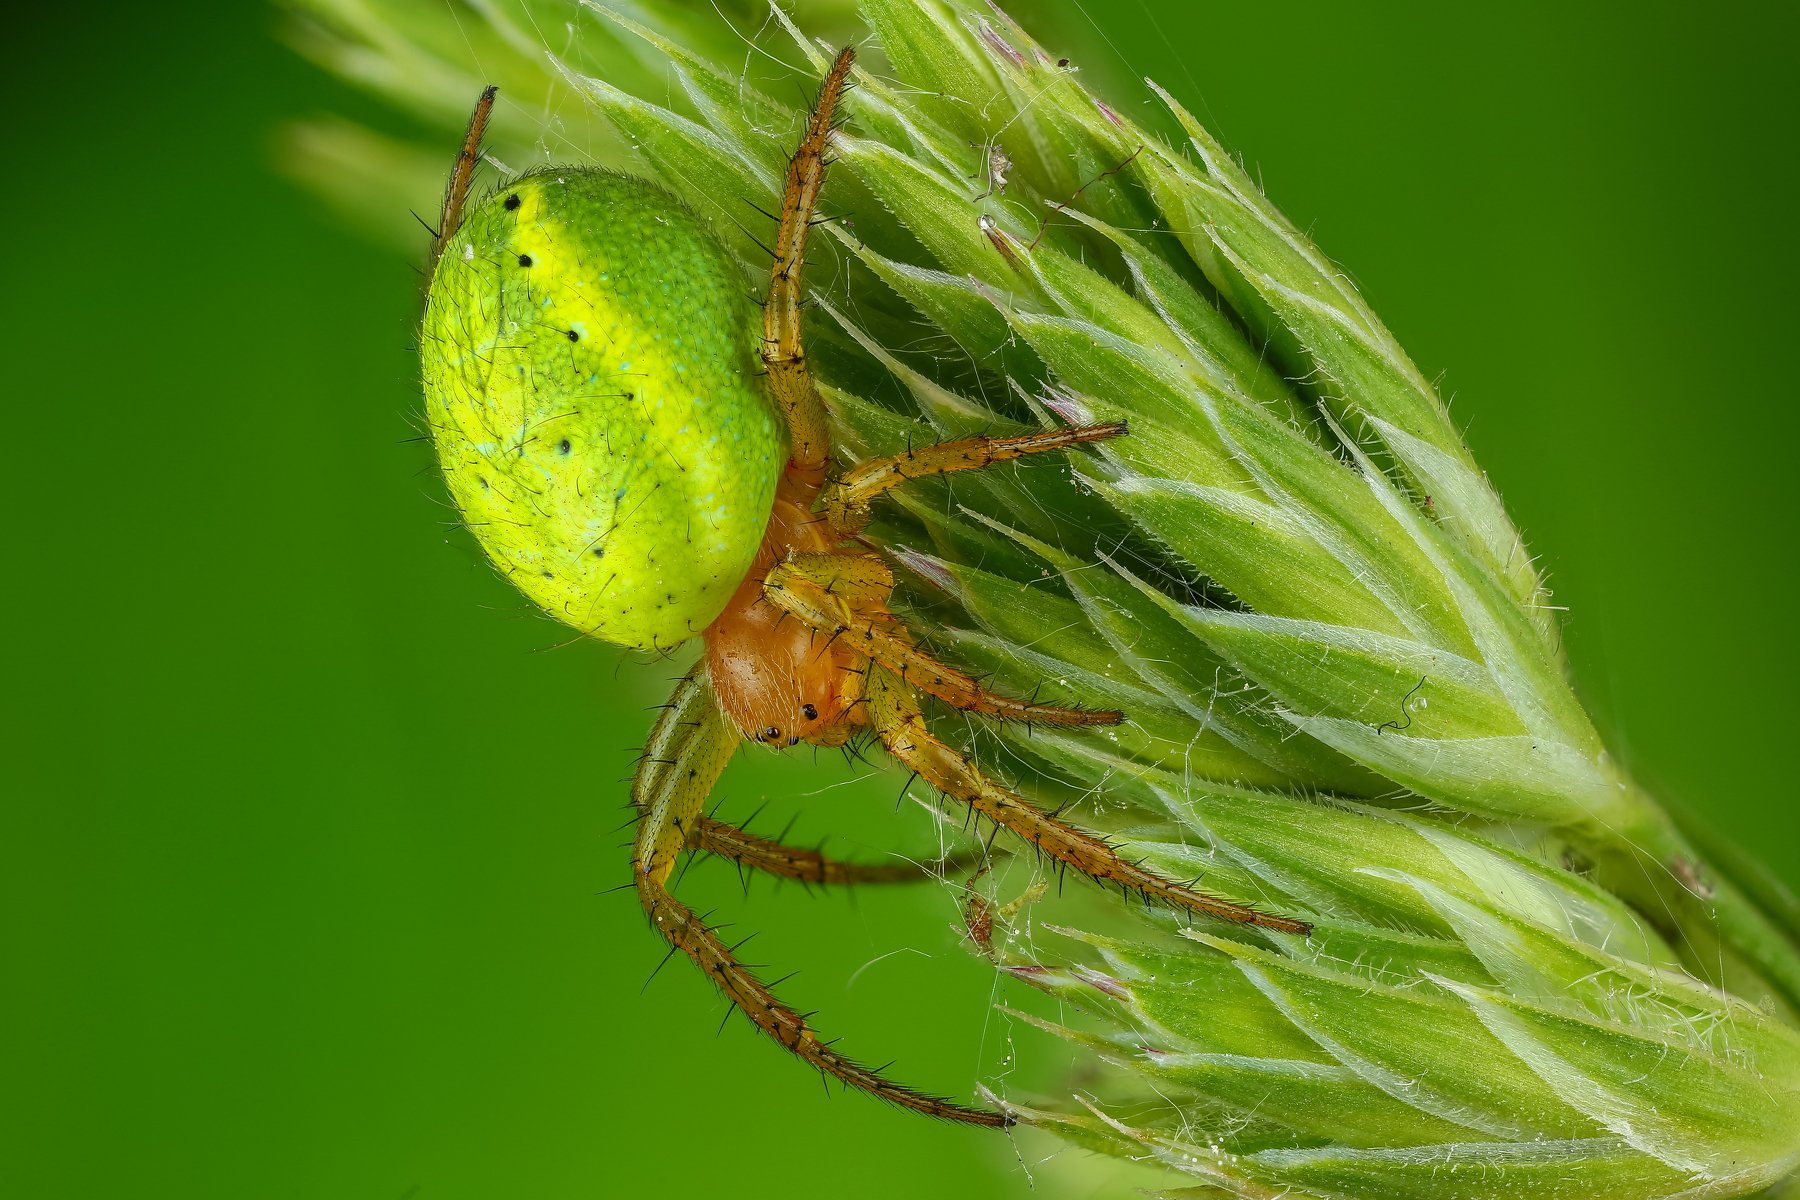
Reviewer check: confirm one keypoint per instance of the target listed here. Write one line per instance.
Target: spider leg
(456, 193)
(687, 751)
(847, 499)
(894, 713)
(809, 866)
(790, 383)
(845, 595)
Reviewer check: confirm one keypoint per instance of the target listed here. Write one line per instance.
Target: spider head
(776, 682)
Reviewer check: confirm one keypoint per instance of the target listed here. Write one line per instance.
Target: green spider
(650, 463)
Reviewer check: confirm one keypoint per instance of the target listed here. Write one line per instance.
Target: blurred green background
(309, 833)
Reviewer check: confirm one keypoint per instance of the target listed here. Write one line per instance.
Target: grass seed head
(1346, 692)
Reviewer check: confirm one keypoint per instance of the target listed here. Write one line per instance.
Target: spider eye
(809, 712)
(771, 734)
(793, 739)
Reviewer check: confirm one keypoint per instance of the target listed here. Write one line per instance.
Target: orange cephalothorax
(779, 680)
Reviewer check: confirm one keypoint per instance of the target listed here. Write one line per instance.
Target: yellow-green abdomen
(589, 355)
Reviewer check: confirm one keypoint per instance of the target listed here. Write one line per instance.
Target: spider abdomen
(590, 369)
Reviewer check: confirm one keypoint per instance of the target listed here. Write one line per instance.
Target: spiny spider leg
(845, 595)
(809, 866)
(790, 383)
(894, 713)
(456, 192)
(846, 499)
(687, 751)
